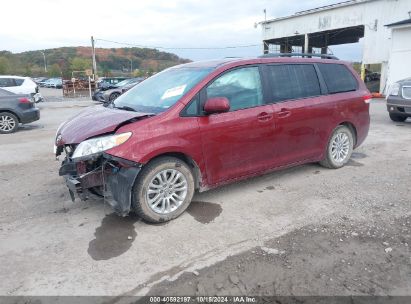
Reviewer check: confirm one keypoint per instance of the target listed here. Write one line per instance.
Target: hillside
(110, 62)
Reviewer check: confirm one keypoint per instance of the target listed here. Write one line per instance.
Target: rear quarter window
(18, 81)
(338, 78)
(6, 82)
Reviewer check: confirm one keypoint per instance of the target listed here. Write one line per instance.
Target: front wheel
(397, 118)
(163, 190)
(113, 96)
(339, 149)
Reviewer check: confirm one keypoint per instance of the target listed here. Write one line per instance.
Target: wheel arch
(352, 128)
(198, 176)
(11, 112)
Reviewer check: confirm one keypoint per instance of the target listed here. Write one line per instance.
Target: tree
(54, 71)
(4, 65)
(80, 64)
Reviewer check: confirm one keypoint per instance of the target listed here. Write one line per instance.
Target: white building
(347, 22)
(399, 63)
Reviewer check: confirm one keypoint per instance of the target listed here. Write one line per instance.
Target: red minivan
(199, 125)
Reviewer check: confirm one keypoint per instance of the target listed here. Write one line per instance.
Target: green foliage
(4, 65)
(54, 70)
(80, 64)
(62, 61)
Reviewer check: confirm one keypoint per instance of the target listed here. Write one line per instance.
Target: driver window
(242, 87)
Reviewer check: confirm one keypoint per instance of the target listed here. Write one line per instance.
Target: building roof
(403, 22)
(319, 9)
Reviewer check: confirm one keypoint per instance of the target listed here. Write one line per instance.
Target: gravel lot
(302, 231)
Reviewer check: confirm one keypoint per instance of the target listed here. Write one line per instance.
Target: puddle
(354, 163)
(204, 212)
(112, 237)
(358, 155)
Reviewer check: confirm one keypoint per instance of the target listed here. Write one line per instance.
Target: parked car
(16, 109)
(21, 85)
(43, 82)
(101, 95)
(122, 87)
(201, 125)
(38, 80)
(55, 83)
(370, 76)
(107, 81)
(399, 100)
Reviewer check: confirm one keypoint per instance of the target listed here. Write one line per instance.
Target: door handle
(284, 113)
(264, 116)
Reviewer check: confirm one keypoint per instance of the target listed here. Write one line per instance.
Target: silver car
(121, 87)
(399, 100)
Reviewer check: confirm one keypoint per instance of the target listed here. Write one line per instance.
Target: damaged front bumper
(102, 174)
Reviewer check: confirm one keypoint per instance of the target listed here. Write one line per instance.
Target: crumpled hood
(93, 121)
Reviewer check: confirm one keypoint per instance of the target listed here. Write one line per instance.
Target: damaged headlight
(100, 144)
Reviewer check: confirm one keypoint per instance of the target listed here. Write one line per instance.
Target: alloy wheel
(340, 147)
(7, 123)
(166, 191)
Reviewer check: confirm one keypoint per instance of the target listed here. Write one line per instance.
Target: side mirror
(217, 105)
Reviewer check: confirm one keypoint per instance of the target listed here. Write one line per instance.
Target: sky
(43, 24)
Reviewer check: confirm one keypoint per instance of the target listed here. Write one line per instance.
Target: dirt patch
(204, 212)
(358, 155)
(346, 258)
(354, 163)
(113, 238)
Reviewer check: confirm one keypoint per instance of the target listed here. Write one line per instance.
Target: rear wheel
(163, 190)
(397, 118)
(8, 123)
(339, 149)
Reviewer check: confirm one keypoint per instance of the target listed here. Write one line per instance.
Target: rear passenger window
(18, 81)
(338, 78)
(242, 87)
(6, 82)
(293, 81)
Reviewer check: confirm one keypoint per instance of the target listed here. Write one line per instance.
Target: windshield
(159, 92)
(124, 82)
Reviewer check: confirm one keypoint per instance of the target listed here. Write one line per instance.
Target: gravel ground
(302, 231)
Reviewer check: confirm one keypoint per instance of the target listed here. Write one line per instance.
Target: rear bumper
(29, 115)
(114, 175)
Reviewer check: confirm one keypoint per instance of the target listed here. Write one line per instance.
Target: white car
(20, 85)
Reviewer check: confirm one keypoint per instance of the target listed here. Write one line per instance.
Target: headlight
(394, 89)
(100, 144)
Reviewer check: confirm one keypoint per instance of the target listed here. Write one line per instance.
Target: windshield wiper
(126, 108)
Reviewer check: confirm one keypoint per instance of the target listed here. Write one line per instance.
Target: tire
(397, 118)
(152, 207)
(113, 96)
(9, 123)
(339, 148)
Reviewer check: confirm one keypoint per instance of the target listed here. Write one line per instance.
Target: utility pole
(45, 62)
(131, 65)
(93, 53)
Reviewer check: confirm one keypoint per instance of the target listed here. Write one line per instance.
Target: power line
(179, 48)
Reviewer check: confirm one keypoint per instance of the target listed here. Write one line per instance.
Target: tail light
(367, 98)
(24, 100)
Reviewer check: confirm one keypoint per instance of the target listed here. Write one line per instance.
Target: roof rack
(326, 56)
